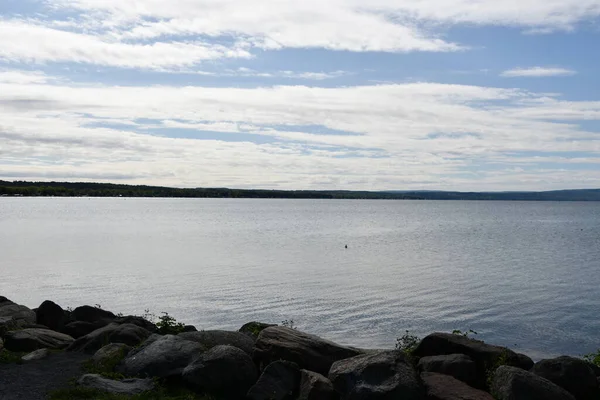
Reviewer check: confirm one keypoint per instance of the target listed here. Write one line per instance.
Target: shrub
(407, 343)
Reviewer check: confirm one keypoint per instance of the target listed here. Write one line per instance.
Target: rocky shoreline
(132, 356)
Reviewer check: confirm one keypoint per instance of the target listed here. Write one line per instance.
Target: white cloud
(538, 72)
(399, 136)
(22, 77)
(25, 42)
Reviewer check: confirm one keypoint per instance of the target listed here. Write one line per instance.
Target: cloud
(26, 42)
(537, 72)
(413, 135)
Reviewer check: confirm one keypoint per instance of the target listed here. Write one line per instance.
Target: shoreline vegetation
(86, 189)
(91, 353)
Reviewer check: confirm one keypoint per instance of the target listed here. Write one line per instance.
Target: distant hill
(86, 189)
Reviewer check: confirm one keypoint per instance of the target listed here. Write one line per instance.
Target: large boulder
(161, 356)
(223, 371)
(308, 351)
(129, 334)
(78, 329)
(52, 315)
(21, 315)
(253, 329)
(36, 355)
(485, 356)
(510, 383)
(136, 320)
(314, 386)
(459, 366)
(573, 374)
(445, 387)
(125, 386)
(8, 324)
(92, 314)
(379, 375)
(111, 354)
(279, 381)
(27, 340)
(210, 339)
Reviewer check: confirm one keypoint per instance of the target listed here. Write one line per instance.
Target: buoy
(346, 246)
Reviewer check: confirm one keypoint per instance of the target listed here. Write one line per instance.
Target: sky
(470, 95)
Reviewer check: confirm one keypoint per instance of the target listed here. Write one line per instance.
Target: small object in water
(346, 246)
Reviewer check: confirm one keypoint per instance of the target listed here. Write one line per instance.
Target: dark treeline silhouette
(85, 189)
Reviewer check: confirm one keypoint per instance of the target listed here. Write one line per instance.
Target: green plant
(288, 323)
(593, 358)
(10, 357)
(407, 343)
(491, 369)
(168, 325)
(465, 333)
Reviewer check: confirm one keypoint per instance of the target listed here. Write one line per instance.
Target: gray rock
(78, 329)
(135, 320)
(510, 383)
(51, 315)
(573, 374)
(308, 351)
(383, 375)
(162, 356)
(223, 371)
(8, 324)
(445, 387)
(314, 386)
(210, 339)
(253, 329)
(19, 314)
(36, 355)
(129, 334)
(125, 386)
(189, 328)
(459, 366)
(110, 353)
(28, 340)
(484, 355)
(92, 314)
(279, 381)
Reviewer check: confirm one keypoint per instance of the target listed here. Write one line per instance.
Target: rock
(459, 366)
(19, 314)
(1, 344)
(279, 381)
(129, 334)
(253, 329)
(162, 356)
(92, 314)
(36, 355)
(51, 315)
(484, 355)
(78, 329)
(445, 387)
(510, 383)
(314, 386)
(381, 375)
(126, 386)
(111, 354)
(308, 351)
(8, 324)
(572, 374)
(189, 328)
(210, 339)
(27, 340)
(223, 371)
(135, 320)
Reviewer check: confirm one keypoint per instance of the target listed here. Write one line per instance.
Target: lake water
(521, 274)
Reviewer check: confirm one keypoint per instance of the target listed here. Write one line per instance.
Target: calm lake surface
(521, 274)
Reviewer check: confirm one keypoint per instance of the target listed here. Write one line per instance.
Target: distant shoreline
(86, 189)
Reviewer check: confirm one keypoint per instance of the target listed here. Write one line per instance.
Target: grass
(162, 393)
(11, 357)
(593, 358)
